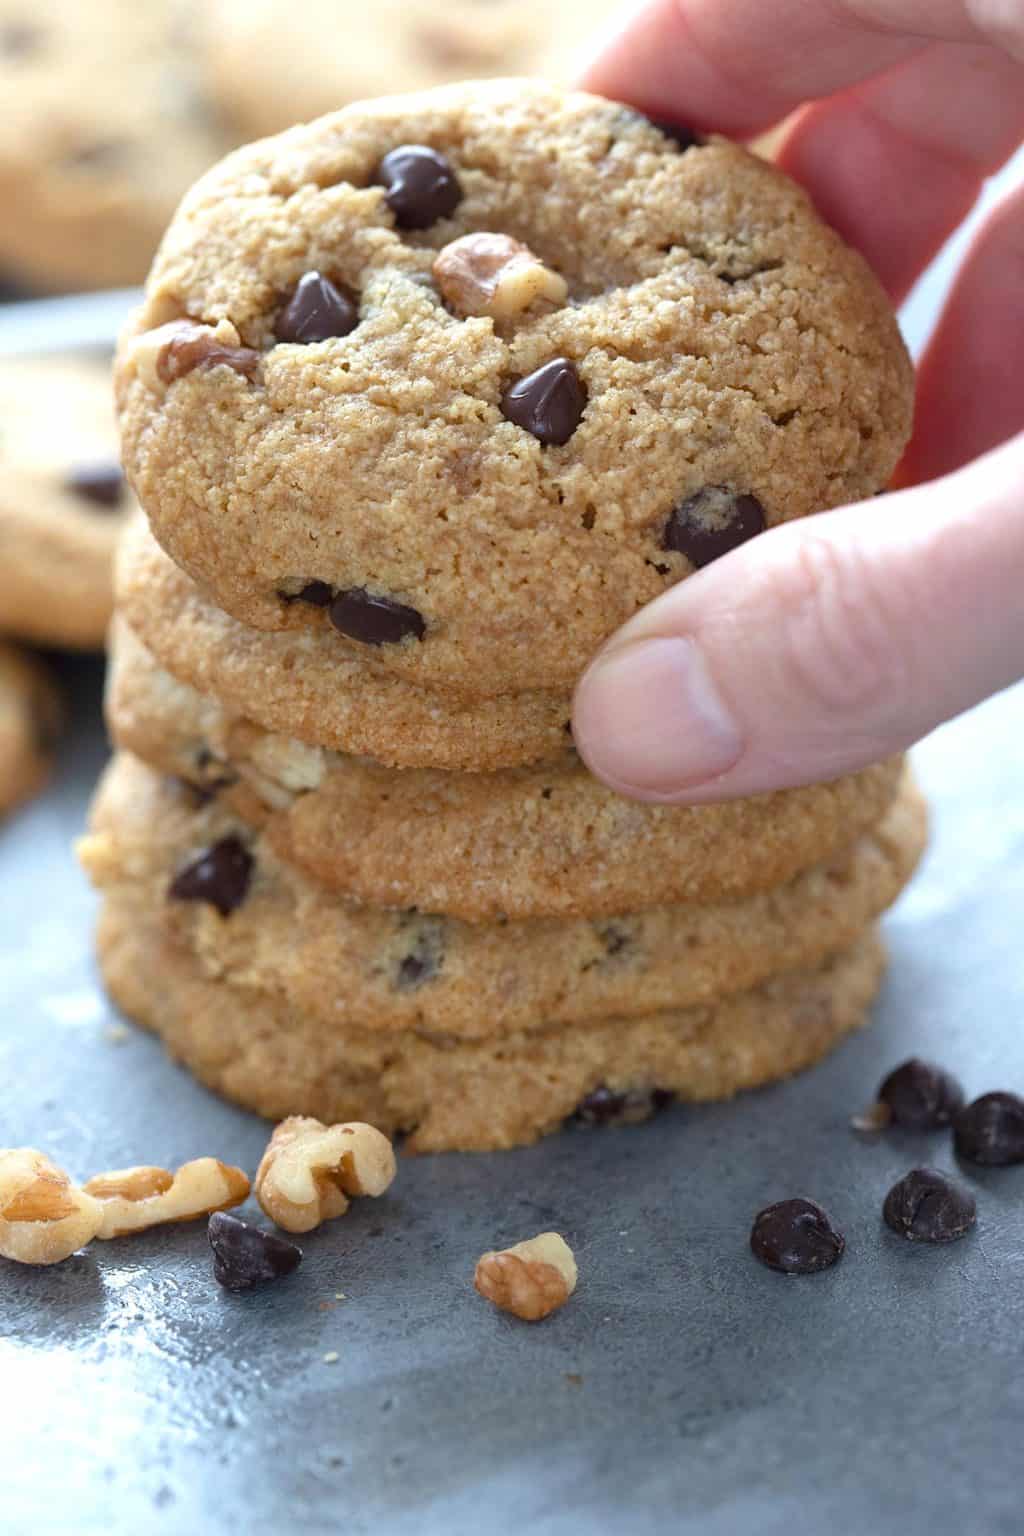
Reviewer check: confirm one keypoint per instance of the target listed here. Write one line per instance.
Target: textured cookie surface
(299, 685)
(474, 498)
(107, 120)
(520, 843)
(277, 1059)
(63, 501)
(30, 717)
(252, 920)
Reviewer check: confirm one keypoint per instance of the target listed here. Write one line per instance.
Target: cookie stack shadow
(470, 956)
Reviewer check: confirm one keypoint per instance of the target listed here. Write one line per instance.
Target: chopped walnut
(309, 1169)
(494, 275)
(531, 1279)
(44, 1218)
(169, 352)
(132, 1199)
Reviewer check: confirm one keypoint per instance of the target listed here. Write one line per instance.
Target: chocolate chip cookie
(541, 842)
(456, 382)
(30, 718)
(251, 919)
(106, 120)
(63, 501)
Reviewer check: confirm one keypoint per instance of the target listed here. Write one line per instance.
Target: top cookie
(469, 460)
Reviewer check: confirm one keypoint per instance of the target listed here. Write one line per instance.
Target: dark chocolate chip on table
(548, 403)
(990, 1130)
(796, 1236)
(316, 311)
(244, 1256)
(317, 593)
(102, 483)
(920, 1095)
(374, 620)
(420, 185)
(219, 876)
(626, 1106)
(926, 1207)
(712, 523)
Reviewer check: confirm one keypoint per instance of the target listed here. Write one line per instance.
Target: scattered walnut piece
(44, 1218)
(169, 352)
(309, 1169)
(132, 1199)
(530, 1279)
(494, 275)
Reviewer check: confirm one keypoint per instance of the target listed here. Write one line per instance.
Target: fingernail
(649, 718)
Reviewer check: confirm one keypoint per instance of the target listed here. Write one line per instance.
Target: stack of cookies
(426, 398)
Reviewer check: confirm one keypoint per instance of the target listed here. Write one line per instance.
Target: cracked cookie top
(462, 379)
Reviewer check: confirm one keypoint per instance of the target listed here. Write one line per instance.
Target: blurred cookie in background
(30, 721)
(274, 64)
(106, 120)
(63, 499)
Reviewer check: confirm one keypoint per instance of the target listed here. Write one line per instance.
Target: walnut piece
(309, 1169)
(132, 1199)
(169, 352)
(44, 1218)
(494, 275)
(531, 1279)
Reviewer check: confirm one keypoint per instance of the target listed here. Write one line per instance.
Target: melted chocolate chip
(796, 1237)
(220, 876)
(425, 956)
(317, 593)
(421, 186)
(243, 1256)
(713, 522)
(608, 1106)
(681, 136)
(316, 311)
(101, 483)
(991, 1130)
(548, 403)
(921, 1096)
(374, 620)
(927, 1207)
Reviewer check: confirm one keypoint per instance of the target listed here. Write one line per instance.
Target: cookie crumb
(331, 1357)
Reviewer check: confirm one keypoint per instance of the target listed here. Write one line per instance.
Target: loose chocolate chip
(548, 403)
(921, 1096)
(424, 957)
(219, 876)
(681, 136)
(316, 311)
(243, 1256)
(927, 1207)
(421, 186)
(713, 522)
(317, 593)
(991, 1130)
(101, 483)
(607, 1106)
(374, 620)
(796, 1237)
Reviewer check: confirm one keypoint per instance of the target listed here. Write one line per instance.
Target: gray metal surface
(685, 1388)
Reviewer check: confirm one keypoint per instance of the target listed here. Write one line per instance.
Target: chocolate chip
(101, 483)
(374, 620)
(630, 1106)
(421, 186)
(243, 1256)
(991, 1130)
(196, 346)
(927, 1207)
(220, 876)
(921, 1096)
(796, 1237)
(681, 136)
(316, 311)
(423, 959)
(318, 593)
(548, 403)
(713, 522)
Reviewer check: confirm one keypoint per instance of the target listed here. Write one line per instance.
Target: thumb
(818, 647)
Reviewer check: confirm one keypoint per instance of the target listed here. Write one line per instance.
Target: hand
(830, 642)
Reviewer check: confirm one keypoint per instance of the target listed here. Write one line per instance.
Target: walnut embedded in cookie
(494, 275)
